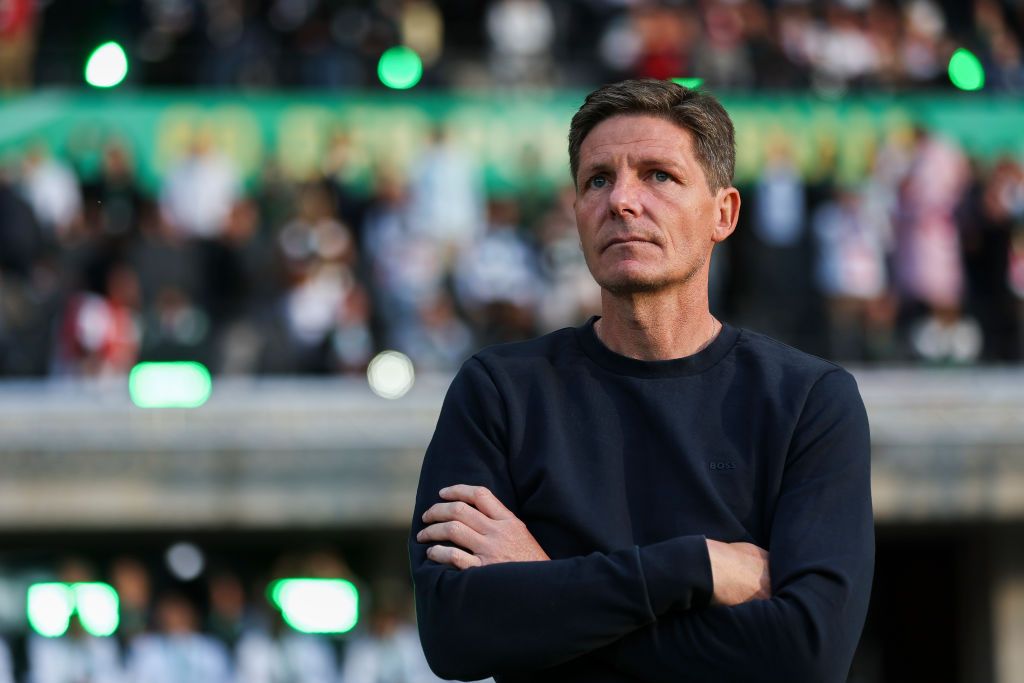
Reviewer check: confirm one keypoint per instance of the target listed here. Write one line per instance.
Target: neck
(656, 325)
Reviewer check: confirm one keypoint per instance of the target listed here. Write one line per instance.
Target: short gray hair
(714, 138)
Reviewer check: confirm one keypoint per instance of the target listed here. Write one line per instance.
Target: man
(654, 495)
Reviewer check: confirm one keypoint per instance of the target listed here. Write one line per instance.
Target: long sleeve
(525, 616)
(821, 563)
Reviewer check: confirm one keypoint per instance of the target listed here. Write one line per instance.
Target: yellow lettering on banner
(175, 132)
(856, 144)
(748, 145)
(825, 130)
(797, 146)
(393, 137)
(236, 133)
(301, 138)
(468, 129)
(897, 126)
(553, 148)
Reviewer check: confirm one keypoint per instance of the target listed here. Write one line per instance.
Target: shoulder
(532, 356)
(778, 359)
(789, 376)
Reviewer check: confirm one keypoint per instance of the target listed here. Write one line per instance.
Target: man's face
(646, 217)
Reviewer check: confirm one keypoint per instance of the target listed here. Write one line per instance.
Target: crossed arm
(485, 532)
(643, 611)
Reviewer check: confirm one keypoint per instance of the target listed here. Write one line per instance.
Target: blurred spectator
(17, 44)
(337, 169)
(851, 273)
(130, 578)
(29, 288)
(325, 309)
(240, 48)
(922, 51)
(446, 196)
(929, 270)
(389, 650)
(652, 41)
(406, 267)
(6, 665)
(20, 238)
(437, 340)
(53, 192)
(115, 194)
(422, 28)
(228, 616)
(992, 211)
(177, 651)
(76, 656)
(497, 279)
(780, 262)
(99, 334)
(521, 34)
(200, 191)
(570, 293)
(722, 57)
(286, 657)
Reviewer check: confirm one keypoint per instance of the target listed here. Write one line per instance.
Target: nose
(624, 199)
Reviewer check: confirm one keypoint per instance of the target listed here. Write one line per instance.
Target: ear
(727, 213)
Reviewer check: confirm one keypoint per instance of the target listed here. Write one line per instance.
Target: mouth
(625, 239)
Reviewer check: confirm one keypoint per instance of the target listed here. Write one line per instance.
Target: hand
(477, 522)
(739, 572)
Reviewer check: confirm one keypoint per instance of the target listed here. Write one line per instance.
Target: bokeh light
(98, 608)
(107, 66)
(691, 83)
(183, 384)
(966, 71)
(185, 561)
(400, 68)
(390, 374)
(49, 608)
(317, 605)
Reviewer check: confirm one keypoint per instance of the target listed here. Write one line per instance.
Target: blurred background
(244, 245)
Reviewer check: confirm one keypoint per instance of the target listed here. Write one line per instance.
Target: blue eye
(598, 181)
(661, 176)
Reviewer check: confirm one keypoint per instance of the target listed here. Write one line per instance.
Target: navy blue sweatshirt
(621, 469)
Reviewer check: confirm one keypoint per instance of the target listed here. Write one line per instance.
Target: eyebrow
(644, 162)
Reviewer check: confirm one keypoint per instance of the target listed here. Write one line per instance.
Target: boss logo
(722, 465)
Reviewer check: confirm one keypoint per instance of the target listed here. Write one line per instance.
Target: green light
(966, 71)
(50, 606)
(317, 605)
(98, 608)
(182, 384)
(400, 68)
(691, 83)
(107, 66)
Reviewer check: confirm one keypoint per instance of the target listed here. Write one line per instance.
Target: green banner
(520, 139)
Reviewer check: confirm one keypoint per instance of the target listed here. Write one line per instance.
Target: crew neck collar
(674, 367)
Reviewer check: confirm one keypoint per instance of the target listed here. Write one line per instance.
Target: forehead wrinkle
(636, 158)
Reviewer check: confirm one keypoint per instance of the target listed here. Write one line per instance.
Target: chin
(632, 283)
(624, 281)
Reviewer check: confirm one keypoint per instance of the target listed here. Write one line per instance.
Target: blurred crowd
(829, 45)
(219, 627)
(923, 259)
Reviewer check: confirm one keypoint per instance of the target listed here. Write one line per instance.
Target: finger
(458, 511)
(454, 557)
(454, 532)
(479, 497)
